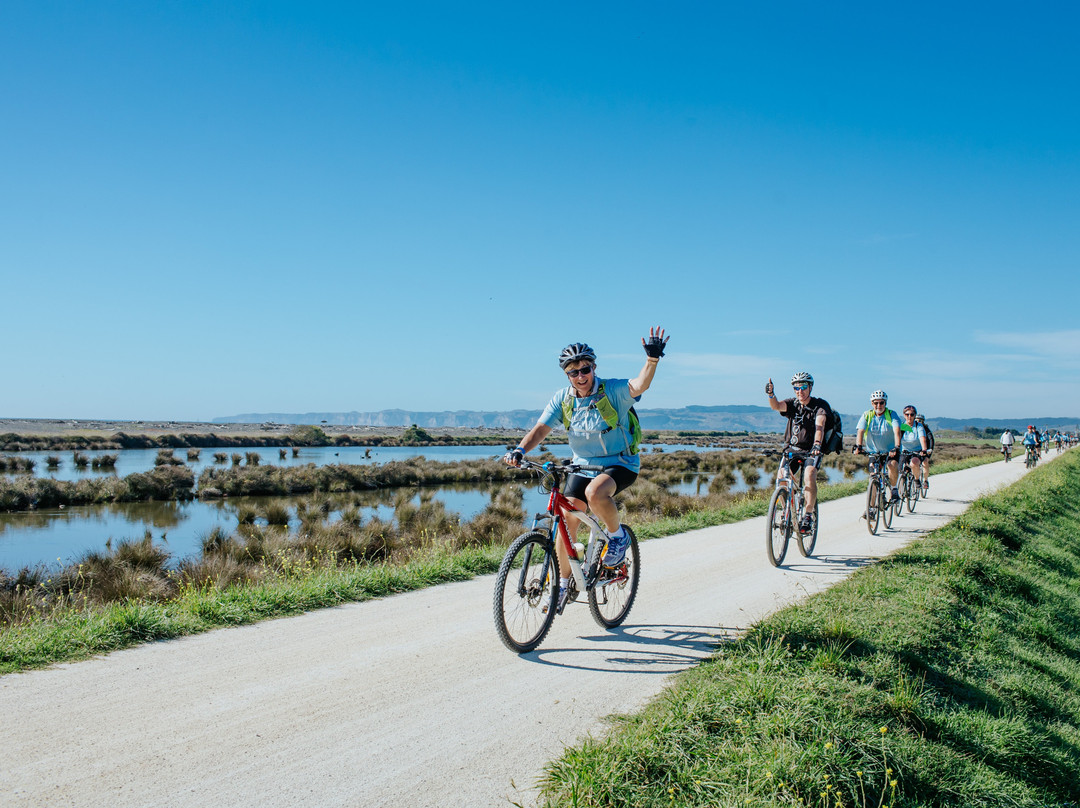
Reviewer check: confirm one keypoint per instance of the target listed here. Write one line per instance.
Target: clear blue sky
(211, 208)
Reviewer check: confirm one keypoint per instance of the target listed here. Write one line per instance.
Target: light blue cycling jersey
(1030, 439)
(879, 432)
(911, 437)
(591, 441)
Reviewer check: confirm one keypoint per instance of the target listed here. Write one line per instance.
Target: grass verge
(947, 675)
(65, 632)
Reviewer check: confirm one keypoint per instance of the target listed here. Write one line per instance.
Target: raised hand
(654, 347)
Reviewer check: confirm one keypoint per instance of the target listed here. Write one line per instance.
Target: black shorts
(796, 463)
(576, 485)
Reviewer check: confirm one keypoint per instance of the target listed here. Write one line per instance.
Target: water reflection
(64, 534)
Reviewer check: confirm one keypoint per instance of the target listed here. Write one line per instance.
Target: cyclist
(603, 431)
(921, 420)
(881, 428)
(914, 445)
(1007, 442)
(1031, 438)
(805, 430)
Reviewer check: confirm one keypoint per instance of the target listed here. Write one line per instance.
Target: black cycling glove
(654, 347)
(514, 456)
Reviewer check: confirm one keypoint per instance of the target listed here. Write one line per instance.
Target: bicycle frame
(557, 510)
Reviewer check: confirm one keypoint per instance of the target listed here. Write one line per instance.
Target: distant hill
(728, 418)
(722, 418)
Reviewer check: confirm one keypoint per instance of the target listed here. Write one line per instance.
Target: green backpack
(609, 414)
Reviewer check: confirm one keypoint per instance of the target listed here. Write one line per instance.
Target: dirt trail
(410, 700)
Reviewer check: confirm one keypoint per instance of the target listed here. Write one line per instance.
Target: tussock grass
(947, 675)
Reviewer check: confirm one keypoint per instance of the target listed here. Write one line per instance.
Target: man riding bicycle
(603, 431)
(914, 445)
(1007, 441)
(1031, 438)
(805, 430)
(881, 428)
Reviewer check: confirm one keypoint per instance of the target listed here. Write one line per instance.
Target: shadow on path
(643, 648)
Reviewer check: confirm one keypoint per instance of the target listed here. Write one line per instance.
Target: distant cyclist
(914, 445)
(881, 428)
(602, 431)
(1031, 439)
(921, 420)
(1007, 442)
(807, 417)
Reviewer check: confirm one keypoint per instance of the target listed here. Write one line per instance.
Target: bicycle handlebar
(567, 466)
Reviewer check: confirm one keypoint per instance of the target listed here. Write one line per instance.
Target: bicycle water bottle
(579, 551)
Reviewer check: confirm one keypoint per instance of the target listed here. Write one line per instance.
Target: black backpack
(833, 439)
(929, 437)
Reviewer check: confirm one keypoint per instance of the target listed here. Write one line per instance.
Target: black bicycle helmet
(576, 352)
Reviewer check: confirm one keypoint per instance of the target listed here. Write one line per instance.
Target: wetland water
(52, 536)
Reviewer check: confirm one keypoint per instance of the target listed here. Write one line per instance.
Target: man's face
(580, 375)
(802, 392)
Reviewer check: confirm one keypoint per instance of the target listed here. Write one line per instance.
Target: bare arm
(534, 437)
(643, 380)
(774, 402)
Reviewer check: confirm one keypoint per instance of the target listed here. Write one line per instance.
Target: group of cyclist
(603, 431)
(1037, 441)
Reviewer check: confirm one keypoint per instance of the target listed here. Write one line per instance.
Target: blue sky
(211, 208)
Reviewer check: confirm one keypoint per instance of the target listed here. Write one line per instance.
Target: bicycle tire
(612, 598)
(873, 512)
(911, 494)
(888, 511)
(808, 542)
(526, 589)
(778, 528)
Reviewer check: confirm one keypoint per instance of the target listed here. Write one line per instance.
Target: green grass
(947, 675)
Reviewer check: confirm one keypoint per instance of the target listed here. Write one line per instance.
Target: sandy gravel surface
(411, 700)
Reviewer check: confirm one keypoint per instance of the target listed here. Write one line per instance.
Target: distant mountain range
(729, 418)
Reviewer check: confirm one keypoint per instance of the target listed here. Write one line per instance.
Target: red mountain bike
(527, 585)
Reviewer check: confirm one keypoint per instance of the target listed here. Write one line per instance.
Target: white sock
(620, 533)
(563, 582)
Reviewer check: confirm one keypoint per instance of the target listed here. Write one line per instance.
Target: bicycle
(1031, 458)
(1006, 450)
(787, 509)
(877, 492)
(525, 603)
(910, 488)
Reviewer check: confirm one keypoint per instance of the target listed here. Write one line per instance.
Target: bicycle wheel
(778, 528)
(888, 511)
(809, 540)
(911, 493)
(611, 599)
(526, 589)
(873, 511)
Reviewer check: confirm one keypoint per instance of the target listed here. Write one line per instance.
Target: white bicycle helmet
(802, 376)
(879, 395)
(575, 352)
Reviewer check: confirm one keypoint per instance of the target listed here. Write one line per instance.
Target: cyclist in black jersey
(807, 417)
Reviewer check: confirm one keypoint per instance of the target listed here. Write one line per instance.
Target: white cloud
(1060, 345)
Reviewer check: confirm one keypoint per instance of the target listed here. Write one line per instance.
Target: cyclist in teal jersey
(881, 428)
(601, 433)
(913, 442)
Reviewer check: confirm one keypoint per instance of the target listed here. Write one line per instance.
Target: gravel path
(410, 700)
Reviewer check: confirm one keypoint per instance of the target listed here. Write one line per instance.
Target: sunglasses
(879, 401)
(573, 374)
(909, 415)
(800, 387)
